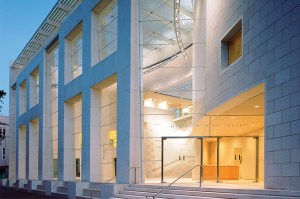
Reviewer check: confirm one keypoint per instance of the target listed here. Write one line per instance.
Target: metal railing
(172, 162)
(176, 181)
(100, 185)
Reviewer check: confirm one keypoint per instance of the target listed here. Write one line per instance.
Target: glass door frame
(201, 138)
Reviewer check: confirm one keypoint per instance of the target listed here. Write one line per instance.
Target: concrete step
(41, 187)
(62, 189)
(170, 195)
(38, 192)
(141, 191)
(119, 196)
(83, 197)
(22, 190)
(59, 195)
(223, 190)
(95, 193)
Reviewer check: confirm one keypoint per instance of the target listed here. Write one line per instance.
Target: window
(77, 55)
(22, 98)
(34, 87)
(3, 153)
(108, 29)
(73, 55)
(52, 81)
(2, 133)
(231, 45)
(235, 48)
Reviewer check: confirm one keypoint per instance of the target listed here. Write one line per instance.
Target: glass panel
(167, 91)
(77, 55)
(52, 76)
(108, 29)
(235, 47)
(237, 160)
(179, 158)
(108, 130)
(77, 133)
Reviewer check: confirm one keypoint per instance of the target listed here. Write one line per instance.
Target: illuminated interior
(168, 108)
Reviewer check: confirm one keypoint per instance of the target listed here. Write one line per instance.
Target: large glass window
(22, 98)
(52, 75)
(108, 29)
(77, 133)
(179, 133)
(34, 87)
(108, 130)
(77, 55)
(73, 54)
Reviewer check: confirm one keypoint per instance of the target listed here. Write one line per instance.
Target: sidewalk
(7, 194)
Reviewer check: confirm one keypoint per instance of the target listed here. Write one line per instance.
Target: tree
(2, 94)
(2, 132)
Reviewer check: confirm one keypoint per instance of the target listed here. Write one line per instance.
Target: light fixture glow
(256, 106)
(177, 27)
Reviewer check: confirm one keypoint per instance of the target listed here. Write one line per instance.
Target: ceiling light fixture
(177, 28)
(256, 106)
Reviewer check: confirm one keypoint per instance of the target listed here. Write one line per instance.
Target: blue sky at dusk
(19, 19)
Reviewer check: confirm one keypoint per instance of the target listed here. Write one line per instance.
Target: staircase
(141, 191)
(94, 191)
(61, 191)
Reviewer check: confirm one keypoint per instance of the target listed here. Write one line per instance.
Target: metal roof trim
(48, 22)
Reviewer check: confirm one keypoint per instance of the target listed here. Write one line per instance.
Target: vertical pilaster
(199, 71)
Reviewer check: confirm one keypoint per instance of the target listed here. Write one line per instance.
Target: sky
(19, 19)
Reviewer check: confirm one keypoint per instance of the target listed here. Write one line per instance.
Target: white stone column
(135, 112)
(128, 103)
(199, 67)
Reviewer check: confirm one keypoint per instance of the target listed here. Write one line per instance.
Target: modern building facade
(135, 91)
(4, 146)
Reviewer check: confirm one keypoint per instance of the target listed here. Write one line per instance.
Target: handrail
(100, 185)
(169, 163)
(174, 182)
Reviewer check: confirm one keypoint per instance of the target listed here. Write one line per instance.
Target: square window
(73, 57)
(235, 48)
(231, 45)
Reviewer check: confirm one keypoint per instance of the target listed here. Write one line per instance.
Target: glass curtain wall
(77, 133)
(108, 28)
(108, 130)
(52, 75)
(166, 68)
(174, 106)
(77, 55)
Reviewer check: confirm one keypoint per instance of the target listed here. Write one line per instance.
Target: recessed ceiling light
(232, 118)
(252, 124)
(256, 106)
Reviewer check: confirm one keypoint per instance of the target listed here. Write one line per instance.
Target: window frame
(233, 31)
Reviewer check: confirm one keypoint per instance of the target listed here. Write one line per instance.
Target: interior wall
(179, 154)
